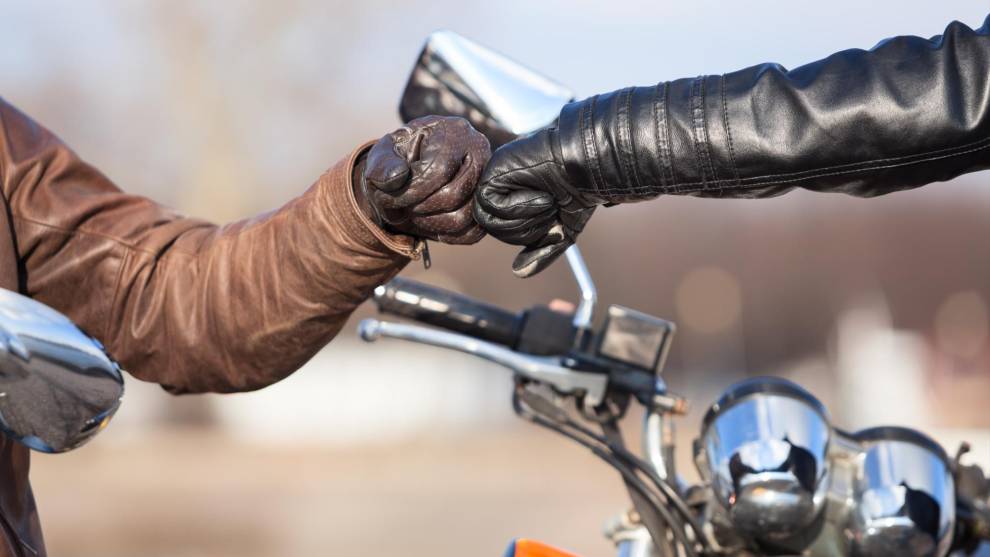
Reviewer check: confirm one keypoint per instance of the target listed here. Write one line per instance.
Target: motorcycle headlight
(765, 443)
(905, 493)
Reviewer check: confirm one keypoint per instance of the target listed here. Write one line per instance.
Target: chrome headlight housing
(765, 445)
(905, 495)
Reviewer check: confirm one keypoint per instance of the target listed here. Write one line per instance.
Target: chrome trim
(589, 294)
(537, 368)
(653, 434)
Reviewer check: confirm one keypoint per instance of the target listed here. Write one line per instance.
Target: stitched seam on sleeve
(590, 145)
(696, 130)
(584, 144)
(657, 107)
(693, 188)
(708, 140)
(632, 147)
(728, 131)
(836, 170)
(627, 153)
(668, 160)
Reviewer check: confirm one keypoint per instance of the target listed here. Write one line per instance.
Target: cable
(665, 487)
(620, 451)
(672, 522)
(635, 482)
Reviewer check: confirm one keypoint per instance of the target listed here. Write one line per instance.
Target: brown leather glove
(420, 179)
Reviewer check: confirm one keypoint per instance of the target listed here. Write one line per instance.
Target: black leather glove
(420, 180)
(909, 112)
(527, 199)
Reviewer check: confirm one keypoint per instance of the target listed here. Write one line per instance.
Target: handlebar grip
(448, 310)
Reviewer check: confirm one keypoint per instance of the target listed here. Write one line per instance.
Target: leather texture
(177, 301)
(908, 112)
(420, 179)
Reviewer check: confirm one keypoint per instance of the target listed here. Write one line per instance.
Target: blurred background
(226, 109)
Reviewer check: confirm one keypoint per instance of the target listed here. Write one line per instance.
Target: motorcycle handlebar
(547, 370)
(448, 310)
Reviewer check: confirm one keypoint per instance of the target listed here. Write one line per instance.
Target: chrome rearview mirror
(58, 387)
(500, 97)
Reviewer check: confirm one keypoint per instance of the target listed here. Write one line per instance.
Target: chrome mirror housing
(500, 97)
(765, 446)
(58, 387)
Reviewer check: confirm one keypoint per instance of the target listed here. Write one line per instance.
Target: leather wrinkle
(515, 169)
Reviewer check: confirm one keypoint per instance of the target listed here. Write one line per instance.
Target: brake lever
(544, 369)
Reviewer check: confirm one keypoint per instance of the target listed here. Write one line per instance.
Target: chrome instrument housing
(787, 482)
(905, 494)
(765, 446)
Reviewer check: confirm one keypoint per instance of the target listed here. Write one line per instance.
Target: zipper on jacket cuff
(424, 248)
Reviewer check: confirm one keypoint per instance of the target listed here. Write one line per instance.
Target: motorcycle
(778, 478)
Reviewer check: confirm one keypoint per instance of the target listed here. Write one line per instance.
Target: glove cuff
(577, 157)
(612, 145)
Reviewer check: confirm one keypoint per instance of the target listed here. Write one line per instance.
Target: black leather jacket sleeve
(864, 122)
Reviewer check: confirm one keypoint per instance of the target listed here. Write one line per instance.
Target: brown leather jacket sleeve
(190, 305)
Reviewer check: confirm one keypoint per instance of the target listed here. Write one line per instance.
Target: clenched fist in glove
(420, 180)
(526, 198)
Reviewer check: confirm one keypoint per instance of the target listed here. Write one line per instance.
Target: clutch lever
(543, 369)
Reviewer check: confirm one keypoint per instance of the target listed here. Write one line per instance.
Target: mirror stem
(589, 296)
